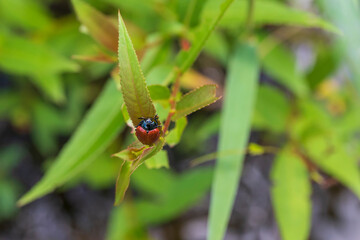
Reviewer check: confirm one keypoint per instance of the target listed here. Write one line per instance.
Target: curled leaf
(133, 157)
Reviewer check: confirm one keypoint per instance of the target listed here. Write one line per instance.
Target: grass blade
(268, 12)
(208, 23)
(98, 129)
(240, 95)
(346, 16)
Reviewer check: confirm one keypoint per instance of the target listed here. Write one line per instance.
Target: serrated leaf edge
(135, 121)
(176, 117)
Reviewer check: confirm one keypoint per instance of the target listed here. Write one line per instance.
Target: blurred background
(52, 70)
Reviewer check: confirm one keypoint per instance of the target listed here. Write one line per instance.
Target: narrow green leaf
(100, 27)
(133, 158)
(346, 16)
(267, 12)
(240, 95)
(21, 56)
(195, 100)
(291, 196)
(133, 85)
(208, 23)
(97, 130)
(175, 134)
(18, 12)
(123, 181)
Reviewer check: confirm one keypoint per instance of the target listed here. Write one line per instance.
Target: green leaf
(331, 156)
(174, 193)
(100, 174)
(125, 224)
(9, 191)
(133, 157)
(240, 95)
(159, 92)
(217, 46)
(158, 161)
(279, 62)
(198, 131)
(102, 28)
(188, 11)
(208, 23)
(175, 134)
(9, 158)
(21, 56)
(195, 100)
(267, 12)
(291, 196)
(123, 181)
(272, 110)
(133, 85)
(97, 130)
(326, 63)
(17, 13)
(345, 15)
(143, 13)
(162, 181)
(324, 145)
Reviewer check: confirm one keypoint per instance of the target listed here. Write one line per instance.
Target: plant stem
(249, 19)
(172, 101)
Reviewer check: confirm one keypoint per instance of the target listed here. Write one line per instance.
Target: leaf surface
(291, 196)
(175, 134)
(267, 12)
(158, 161)
(133, 85)
(185, 59)
(102, 28)
(240, 95)
(98, 129)
(22, 56)
(133, 158)
(195, 100)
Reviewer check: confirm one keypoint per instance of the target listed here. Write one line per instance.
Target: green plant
(311, 145)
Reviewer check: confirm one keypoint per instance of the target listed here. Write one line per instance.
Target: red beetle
(148, 130)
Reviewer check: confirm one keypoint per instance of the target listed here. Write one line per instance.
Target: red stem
(174, 92)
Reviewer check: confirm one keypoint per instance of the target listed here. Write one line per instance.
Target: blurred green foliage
(310, 113)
